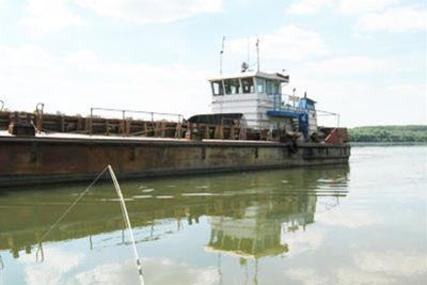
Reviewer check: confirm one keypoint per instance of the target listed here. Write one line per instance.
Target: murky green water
(359, 224)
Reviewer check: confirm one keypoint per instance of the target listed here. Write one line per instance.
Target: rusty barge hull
(36, 160)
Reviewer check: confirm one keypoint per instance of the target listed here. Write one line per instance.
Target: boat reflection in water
(247, 215)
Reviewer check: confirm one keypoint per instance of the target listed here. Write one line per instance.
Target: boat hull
(35, 160)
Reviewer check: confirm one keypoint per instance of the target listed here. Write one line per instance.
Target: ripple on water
(148, 190)
(199, 194)
(142, 196)
(116, 199)
(202, 187)
(165, 197)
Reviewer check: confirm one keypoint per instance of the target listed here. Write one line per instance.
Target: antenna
(221, 52)
(257, 53)
(249, 51)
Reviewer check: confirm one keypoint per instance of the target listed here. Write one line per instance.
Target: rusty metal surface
(47, 160)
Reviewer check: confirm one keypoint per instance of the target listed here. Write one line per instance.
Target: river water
(362, 223)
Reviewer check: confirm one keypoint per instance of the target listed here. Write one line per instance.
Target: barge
(252, 126)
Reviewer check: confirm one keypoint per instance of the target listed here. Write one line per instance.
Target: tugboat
(255, 99)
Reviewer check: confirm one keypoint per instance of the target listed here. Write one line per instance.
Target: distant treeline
(411, 133)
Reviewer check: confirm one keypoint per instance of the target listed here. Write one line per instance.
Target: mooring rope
(82, 194)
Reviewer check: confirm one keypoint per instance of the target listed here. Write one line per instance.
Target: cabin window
(273, 87)
(277, 89)
(260, 85)
(217, 89)
(248, 85)
(232, 86)
(269, 87)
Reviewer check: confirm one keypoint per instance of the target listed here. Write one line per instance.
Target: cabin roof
(273, 76)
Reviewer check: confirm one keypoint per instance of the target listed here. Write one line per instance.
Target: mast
(257, 53)
(221, 53)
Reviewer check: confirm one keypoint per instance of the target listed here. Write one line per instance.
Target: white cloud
(75, 82)
(56, 264)
(303, 241)
(349, 219)
(367, 267)
(158, 271)
(45, 16)
(149, 11)
(289, 42)
(363, 6)
(417, 90)
(348, 65)
(48, 16)
(397, 19)
(361, 84)
(352, 276)
(307, 276)
(306, 7)
(383, 267)
(392, 262)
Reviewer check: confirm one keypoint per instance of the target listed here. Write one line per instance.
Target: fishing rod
(127, 222)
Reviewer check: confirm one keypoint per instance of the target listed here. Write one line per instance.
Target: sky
(364, 59)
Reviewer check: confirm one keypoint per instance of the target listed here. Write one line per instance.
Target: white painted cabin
(251, 93)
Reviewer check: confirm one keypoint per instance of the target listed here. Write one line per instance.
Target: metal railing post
(90, 121)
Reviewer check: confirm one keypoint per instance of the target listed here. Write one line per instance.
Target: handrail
(2, 105)
(124, 111)
(326, 113)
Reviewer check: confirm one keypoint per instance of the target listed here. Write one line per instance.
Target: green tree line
(410, 133)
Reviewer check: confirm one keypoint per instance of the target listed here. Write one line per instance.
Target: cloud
(349, 219)
(364, 6)
(308, 7)
(399, 19)
(352, 276)
(50, 16)
(392, 262)
(289, 42)
(303, 241)
(74, 82)
(307, 276)
(383, 267)
(56, 264)
(348, 65)
(149, 11)
(47, 16)
(157, 271)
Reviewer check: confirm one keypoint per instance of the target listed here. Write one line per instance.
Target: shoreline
(361, 144)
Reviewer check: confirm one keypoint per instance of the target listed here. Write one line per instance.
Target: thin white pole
(221, 53)
(127, 221)
(257, 53)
